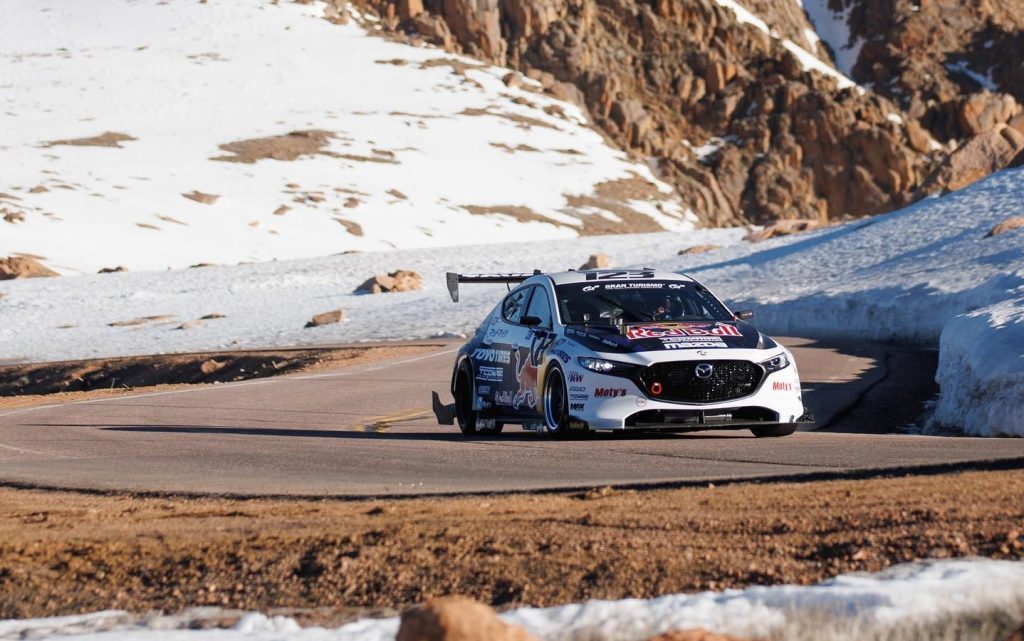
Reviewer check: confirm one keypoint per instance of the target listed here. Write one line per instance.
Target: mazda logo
(704, 370)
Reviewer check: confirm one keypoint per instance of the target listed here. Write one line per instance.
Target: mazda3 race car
(620, 350)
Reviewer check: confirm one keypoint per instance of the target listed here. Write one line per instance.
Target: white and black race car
(620, 350)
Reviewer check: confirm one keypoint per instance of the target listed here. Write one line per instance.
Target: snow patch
(913, 596)
(984, 81)
(981, 371)
(834, 29)
(410, 137)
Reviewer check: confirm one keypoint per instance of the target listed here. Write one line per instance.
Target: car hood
(663, 336)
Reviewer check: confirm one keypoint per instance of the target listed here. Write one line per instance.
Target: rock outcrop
(326, 318)
(23, 267)
(731, 117)
(596, 261)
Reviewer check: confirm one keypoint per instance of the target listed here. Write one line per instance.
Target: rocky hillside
(741, 106)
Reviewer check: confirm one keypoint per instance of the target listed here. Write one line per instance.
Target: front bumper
(618, 403)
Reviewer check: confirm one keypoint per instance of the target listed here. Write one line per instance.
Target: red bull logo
(662, 330)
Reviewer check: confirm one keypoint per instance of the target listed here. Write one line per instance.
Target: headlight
(775, 363)
(602, 366)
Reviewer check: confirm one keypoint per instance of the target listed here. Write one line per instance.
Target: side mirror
(530, 321)
(744, 314)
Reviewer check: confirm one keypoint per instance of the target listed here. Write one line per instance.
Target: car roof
(610, 275)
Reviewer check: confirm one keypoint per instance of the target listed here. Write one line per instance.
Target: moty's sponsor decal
(609, 392)
(661, 330)
(783, 387)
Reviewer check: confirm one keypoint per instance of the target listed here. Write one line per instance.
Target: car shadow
(384, 434)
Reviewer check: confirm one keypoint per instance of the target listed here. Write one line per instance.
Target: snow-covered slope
(112, 110)
(938, 600)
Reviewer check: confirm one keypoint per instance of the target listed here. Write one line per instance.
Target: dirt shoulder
(66, 381)
(63, 553)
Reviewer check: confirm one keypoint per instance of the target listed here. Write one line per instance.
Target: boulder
(457, 618)
(23, 267)
(596, 261)
(698, 249)
(693, 635)
(781, 228)
(112, 270)
(982, 155)
(1014, 222)
(327, 318)
(408, 9)
(211, 366)
(981, 112)
(402, 280)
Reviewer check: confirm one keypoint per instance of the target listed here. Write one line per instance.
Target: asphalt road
(368, 431)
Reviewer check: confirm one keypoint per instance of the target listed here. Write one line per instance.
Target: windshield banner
(662, 330)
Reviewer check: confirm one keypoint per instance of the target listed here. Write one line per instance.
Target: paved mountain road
(368, 431)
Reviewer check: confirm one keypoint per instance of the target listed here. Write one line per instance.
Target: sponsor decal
(483, 389)
(492, 355)
(576, 407)
(579, 397)
(577, 388)
(503, 397)
(497, 333)
(610, 274)
(575, 377)
(609, 392)
(663, 330)
(691, 345)
(634, 286)
(490, 374)
(605, 341)
(562, 356)
(527, 362)
(641, 401)
(779, 386)
(560, 341)
(577, 425)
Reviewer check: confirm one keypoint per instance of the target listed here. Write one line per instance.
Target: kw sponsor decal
(575, 377)
(609, 392)
(576, 407)
(779, 386)
(662, 330)
(490, 374)
(620, 274)
(492, 356)
(562, 356)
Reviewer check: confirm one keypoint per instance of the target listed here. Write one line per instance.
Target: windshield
(638, 302)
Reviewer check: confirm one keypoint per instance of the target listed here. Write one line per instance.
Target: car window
(540, 307)
(513, 306)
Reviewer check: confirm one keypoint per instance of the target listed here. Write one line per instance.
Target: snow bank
(420, 148)
(923, 598)
(981, 371)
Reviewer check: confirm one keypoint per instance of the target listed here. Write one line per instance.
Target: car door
(496, 361)
(528, 356)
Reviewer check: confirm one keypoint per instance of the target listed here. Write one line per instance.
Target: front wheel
(774, 431)
(556, 403)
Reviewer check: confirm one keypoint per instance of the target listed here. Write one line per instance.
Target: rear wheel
(556, 403)
(465, 415)
(774, 431)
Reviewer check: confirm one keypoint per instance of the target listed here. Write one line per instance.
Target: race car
(635, 349)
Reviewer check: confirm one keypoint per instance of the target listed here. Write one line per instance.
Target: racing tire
(555, 403)
(465, 415)
(774, 431)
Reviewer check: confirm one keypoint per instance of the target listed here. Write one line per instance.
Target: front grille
(679, 381)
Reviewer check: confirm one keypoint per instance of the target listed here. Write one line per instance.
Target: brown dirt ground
(67, 381)
(64, 552)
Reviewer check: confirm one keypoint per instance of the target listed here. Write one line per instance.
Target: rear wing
(454, 280)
